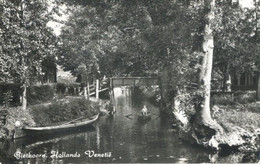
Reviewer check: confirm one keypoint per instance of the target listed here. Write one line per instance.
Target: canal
(120, 138)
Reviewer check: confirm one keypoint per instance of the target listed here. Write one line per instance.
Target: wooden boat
(144, 118)
(72, 125)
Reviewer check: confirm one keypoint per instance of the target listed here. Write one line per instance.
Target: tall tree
(203, 110)
(25, 40)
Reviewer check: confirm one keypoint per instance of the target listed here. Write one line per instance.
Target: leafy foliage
(39, 94)
(236, 39)
(25, 39)
(129, 38)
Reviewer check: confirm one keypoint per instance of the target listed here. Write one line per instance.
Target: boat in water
(69, 126)
(144, 118)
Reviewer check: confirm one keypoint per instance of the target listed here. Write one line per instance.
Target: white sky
(247, 3)
(55, 25)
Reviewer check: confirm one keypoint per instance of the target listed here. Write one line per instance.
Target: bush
(10, 94)
(222, 99)
(64, 110)
(4, 132)
(40, 93)
(61, 88)
(241, 97)
(15, 114)
(245, 97)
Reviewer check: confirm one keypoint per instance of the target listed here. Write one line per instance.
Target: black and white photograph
(129, 81)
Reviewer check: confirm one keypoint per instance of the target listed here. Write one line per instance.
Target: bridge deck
(133, 81)
(123, 81)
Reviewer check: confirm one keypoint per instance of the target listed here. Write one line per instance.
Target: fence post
(88, 90)
(258, 87)
(97, 88)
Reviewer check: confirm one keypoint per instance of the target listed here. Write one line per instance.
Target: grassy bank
(243, 120)
(56, 112)
(246, 116)
(247, 120)
(63, 110)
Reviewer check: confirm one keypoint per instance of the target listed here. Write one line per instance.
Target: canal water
(120, 138)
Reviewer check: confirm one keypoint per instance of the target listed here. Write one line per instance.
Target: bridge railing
(133, 81)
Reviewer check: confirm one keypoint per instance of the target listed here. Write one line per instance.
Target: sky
(247, 3)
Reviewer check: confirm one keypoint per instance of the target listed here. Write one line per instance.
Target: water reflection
(128, 139)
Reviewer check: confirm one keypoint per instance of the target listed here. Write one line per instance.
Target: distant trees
(25, 40)
(235, 31)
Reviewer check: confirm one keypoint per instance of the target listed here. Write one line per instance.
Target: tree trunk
(226, 78)
(258, 87)
(229, 83)
(205, 75)
(24, 98)
(203, 126)
(24, 82)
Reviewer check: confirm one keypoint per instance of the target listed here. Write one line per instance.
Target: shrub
(4, 132)
(40, 93)
(10, 94)
(61, 88)
(242, 97)
(245, 97)
(222, 99)
(7, 98)
(15, 114)
(253, 107)
(64, 110)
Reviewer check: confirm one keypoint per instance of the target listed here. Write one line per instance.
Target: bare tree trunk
(24, 82)
(205, 75)
(258, 87)
(203, 127)
(24, 98)
(226, 78)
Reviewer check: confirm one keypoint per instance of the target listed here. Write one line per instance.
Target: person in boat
(144, 111)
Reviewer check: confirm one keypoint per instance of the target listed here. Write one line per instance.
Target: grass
(246, 117)
(238, 97)
(249, 107)
(63, 110)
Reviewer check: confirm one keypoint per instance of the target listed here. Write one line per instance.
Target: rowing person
(144, 111)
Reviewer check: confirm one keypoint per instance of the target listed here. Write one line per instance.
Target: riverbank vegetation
(15, 114)
(48, 114)
(63, 110)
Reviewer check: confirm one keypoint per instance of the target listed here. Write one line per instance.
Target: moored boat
(74, 124)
